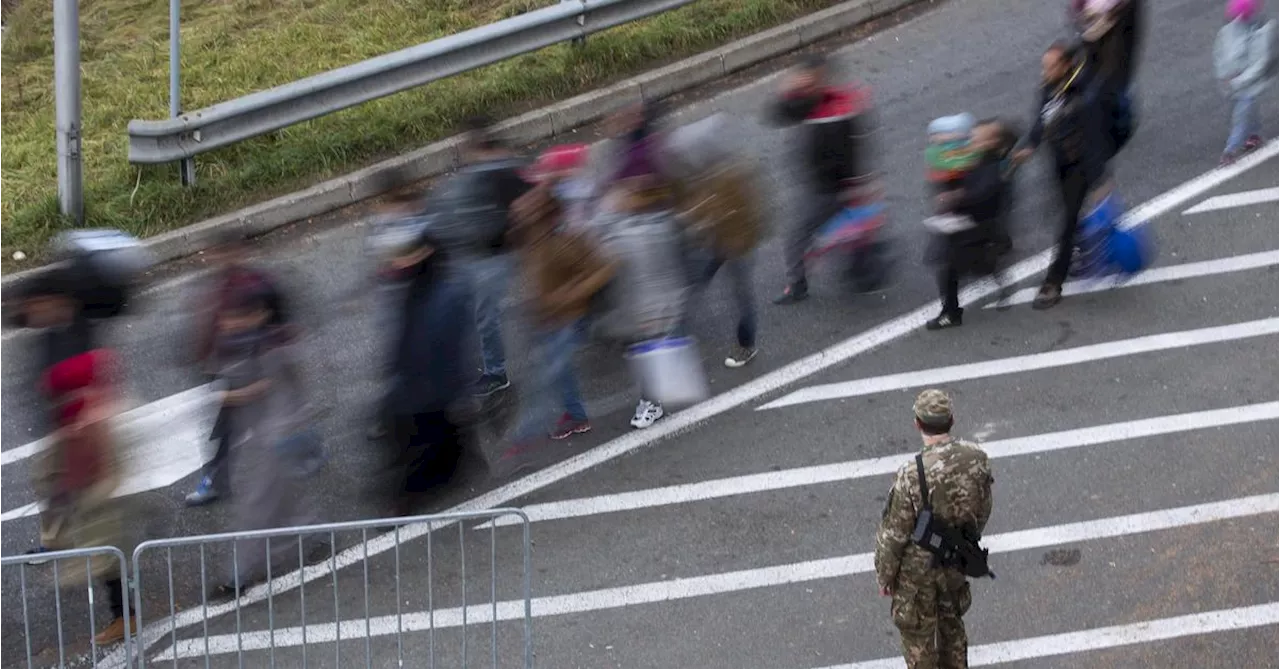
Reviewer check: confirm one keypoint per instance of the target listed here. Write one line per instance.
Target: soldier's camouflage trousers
(927, 611)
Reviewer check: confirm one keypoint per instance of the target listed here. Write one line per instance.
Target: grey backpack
(465, 211)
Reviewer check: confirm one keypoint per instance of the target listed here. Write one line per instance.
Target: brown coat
(563, 267)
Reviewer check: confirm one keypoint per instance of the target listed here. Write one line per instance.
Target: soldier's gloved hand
(886, 591)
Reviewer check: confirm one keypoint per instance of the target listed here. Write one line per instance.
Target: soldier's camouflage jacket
(958, 474)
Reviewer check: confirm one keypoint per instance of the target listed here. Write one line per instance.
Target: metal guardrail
(270, 629)
(199, 131)
(33, 608)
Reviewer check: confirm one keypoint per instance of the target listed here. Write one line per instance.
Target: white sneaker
(647, 413)
(740, 357)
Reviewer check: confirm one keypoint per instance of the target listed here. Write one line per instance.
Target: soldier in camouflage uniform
(929, 601)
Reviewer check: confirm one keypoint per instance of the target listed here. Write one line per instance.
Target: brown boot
(114, 633)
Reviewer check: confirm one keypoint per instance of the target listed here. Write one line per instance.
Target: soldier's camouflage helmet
(933, 407)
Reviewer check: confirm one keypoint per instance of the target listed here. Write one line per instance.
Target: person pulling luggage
(831, 158)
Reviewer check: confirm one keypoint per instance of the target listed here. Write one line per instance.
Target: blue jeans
(491, 277)
(1244, 122)
(556, 382)
(740, 270)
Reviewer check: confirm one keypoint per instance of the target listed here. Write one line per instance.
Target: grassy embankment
(233, 47)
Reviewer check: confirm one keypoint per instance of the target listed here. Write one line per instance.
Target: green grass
(233, 47)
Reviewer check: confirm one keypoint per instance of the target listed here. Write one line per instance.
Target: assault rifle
(951, 547)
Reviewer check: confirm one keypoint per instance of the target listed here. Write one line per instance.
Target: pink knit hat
(1241, 9)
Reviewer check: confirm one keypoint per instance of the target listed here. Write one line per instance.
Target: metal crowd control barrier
(227, 123)
(30, 590)
(307, 625)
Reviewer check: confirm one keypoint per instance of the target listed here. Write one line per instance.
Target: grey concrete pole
(66, 92)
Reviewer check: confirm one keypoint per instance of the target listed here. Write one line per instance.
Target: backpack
(721, 207)
(1262, 44)
(107, 265)
(465, 210)
(648, 294)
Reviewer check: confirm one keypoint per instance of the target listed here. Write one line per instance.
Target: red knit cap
(560, 158)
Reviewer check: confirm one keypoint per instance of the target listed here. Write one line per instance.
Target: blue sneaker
(204, 493)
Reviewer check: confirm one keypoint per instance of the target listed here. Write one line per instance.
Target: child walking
(1244, 59)
(979, 199)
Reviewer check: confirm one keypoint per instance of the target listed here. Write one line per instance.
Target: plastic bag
(669, 370)
(1103, 248)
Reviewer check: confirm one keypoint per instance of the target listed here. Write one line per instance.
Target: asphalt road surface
(1133, 430)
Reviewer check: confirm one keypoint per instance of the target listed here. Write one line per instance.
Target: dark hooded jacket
(432, 356)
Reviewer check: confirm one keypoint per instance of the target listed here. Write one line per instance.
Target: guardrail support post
(582, 21)
(67, 109)
(187, 167)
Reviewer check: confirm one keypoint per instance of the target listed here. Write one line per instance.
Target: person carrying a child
(974, 191)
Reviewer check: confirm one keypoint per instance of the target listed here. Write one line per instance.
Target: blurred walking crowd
(611, 243)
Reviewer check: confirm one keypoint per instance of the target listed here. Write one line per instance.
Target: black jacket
(834, 122)
(432, 355)
(987, 200)
(1071, 121)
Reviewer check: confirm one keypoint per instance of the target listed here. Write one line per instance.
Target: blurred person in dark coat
(495, 184)
(431, 358)
(1111, 37)
(1071, 123)
(832, 165)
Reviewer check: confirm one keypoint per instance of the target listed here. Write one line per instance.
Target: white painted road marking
(1189, 270)
(166, 409)
(690, 418)
(1102, 638)
(1026, 363)
(846, 471)
(714, 584)
(1236, 200)
(159, 444)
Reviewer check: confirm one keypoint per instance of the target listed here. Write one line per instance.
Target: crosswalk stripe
(1189, 270)
(845, 471)
(166, 409)
(1101, 638)
(1234, 200)
(715, 584)
(1026, 363)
